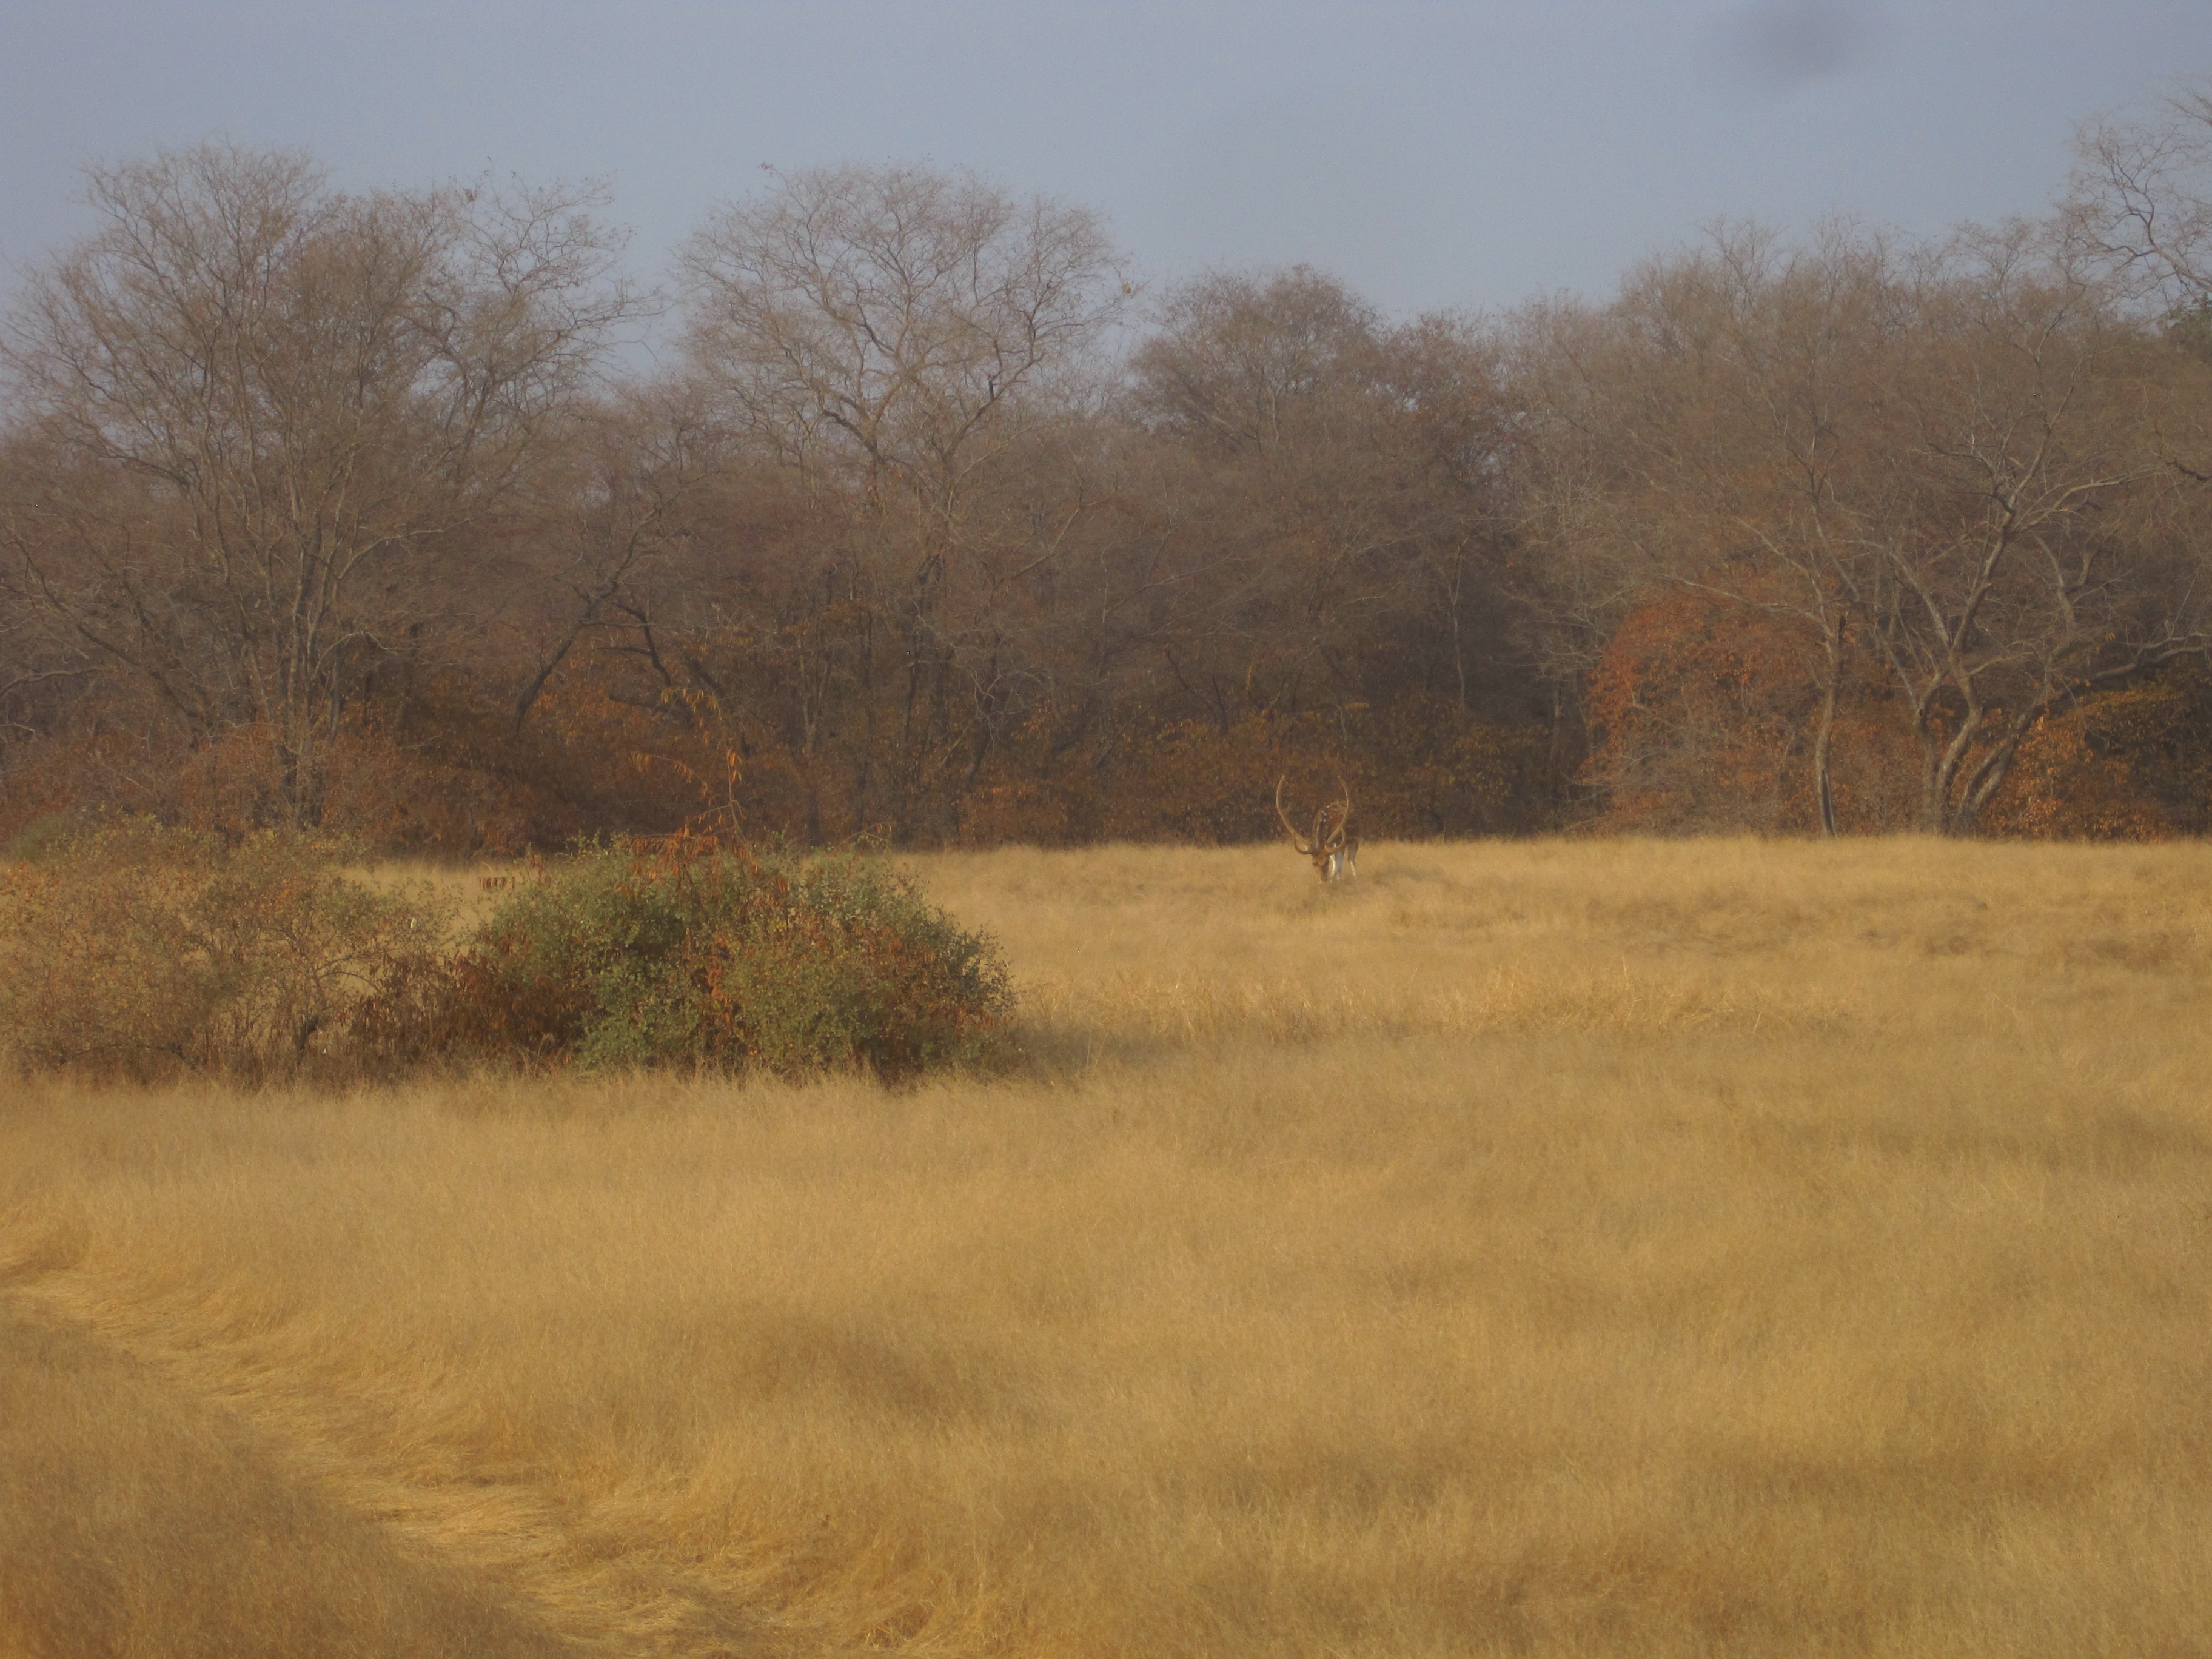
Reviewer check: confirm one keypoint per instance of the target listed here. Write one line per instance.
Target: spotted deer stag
(1333, 852)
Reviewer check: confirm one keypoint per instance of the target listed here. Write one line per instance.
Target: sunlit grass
(1554, 1249)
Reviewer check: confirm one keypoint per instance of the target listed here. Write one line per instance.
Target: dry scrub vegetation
(1551, 1249)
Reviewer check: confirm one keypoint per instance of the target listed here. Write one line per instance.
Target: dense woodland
(930, 525)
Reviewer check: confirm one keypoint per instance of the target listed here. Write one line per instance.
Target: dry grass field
(1552, 1249)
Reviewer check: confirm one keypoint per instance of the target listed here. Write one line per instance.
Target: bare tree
(1942, 465)
(2028, 547)
(1245, 363)
(1341, 475)
(2140, 209)
(270, 407)
(1731, 395)
(886, 319)
(2142, 198)
(890, 333)
(619, 504)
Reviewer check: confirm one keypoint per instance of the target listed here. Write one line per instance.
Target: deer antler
(1329, 822)
(1296, 839)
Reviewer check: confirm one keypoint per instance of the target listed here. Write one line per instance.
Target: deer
(1334, 852)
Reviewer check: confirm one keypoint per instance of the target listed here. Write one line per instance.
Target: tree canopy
(320, 507)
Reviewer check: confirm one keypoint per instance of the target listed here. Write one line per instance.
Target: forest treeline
(354, 510)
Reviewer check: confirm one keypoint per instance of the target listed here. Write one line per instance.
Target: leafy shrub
(687, 954)
(142, 951)
(139, 951)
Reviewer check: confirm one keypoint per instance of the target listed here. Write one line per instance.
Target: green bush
(143, 951)
(684, 955)
(140, 951)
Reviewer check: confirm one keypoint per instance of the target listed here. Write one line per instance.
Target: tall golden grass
(1548, 1248)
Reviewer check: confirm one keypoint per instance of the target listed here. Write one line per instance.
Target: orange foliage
(1705, 709)
(1708, 708)
(2129, 764)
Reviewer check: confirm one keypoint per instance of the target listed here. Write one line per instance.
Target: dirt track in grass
(138, 1519)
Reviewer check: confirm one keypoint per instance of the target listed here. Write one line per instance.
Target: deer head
(1332, 850)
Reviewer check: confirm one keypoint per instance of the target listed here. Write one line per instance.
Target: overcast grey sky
(1432, 154)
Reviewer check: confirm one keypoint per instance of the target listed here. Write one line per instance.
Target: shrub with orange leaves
(1705, 708)
(2134, 763)
(1707, 711)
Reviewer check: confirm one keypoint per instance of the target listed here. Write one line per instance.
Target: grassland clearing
(1550, 1247)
